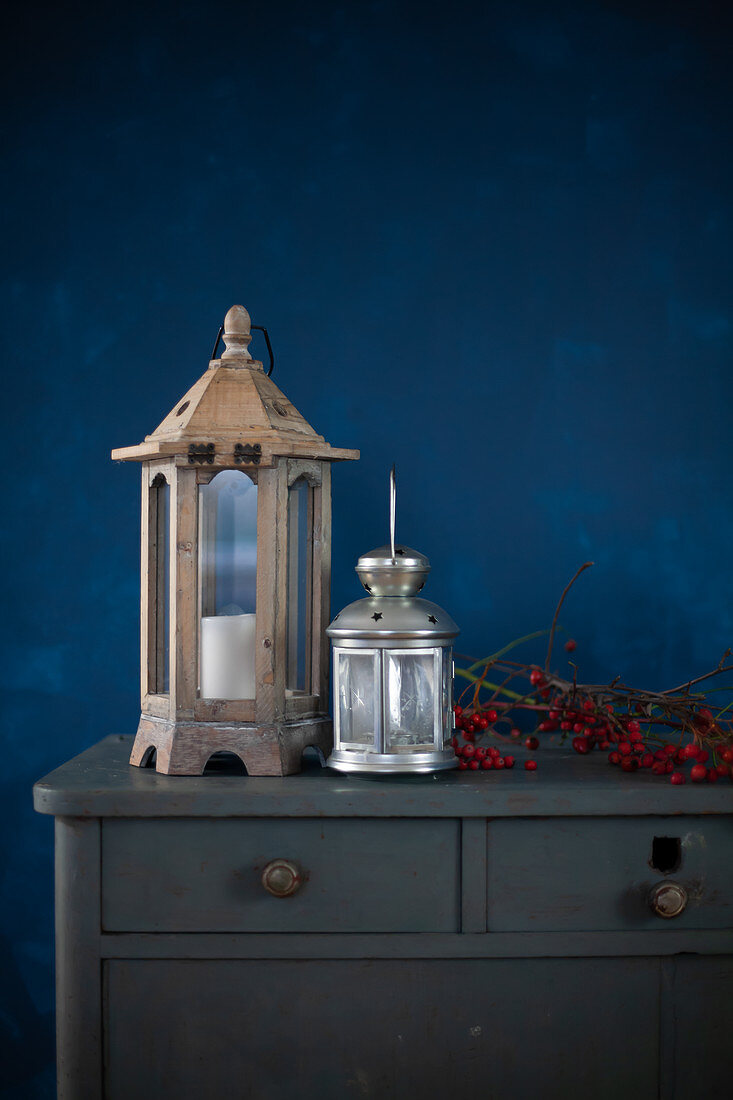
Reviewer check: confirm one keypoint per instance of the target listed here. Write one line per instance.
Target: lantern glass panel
(300, 585)
(410, 698)
(159, 571)
(357, 680)
(228, 571)
(447, 695)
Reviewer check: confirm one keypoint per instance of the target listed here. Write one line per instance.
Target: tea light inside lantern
(228, 519)
(228, 656)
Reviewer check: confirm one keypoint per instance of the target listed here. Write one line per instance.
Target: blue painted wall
(491, 243)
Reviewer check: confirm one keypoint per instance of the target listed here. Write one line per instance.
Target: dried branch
(568, 586)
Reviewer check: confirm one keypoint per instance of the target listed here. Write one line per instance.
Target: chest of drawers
(473, 935)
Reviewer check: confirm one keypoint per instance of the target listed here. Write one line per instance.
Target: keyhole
(666, 854)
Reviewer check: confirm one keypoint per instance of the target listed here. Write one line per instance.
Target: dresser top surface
(101, 783)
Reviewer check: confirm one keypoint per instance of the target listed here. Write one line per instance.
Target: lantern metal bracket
(248, 453)
(201, 452)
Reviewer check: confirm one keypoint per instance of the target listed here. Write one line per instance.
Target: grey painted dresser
(481, 935)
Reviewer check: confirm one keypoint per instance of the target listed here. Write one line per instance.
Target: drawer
(568, 874)
(205, 875)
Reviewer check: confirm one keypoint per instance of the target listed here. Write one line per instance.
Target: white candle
(228, 657)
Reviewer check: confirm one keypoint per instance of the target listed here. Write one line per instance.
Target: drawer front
(205, 875)
(384, 1029)
(567, 874)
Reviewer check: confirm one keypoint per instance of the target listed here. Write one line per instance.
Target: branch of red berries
(661, 731)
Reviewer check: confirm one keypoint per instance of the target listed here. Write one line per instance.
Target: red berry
(457, 710)
(634, 727)
(553, 715)
(712, 776)
(669, 767)
(614, 758)
(660, 754)
(487, 763)
(469, 750)
(677, 778)
(493, 751)
(629, 764)
(530, 765)
(474, 765)
(688, 752)
(727, 755)
(571, 645)
(532, 743)
(634, 735)
(483, 723)
(491, 715)
(580, 744)
(577, 727)
(469, 735)
(481, 752)
(638, 748)
(515, 733)
(670, 750)
(605, 745)
(508, 761)
(624, 747)
(567, 726)
(659, 768)
(588, 704)
(499, 763)
(723, 769)
(698, 773)
(536, 677)
(546, 727)
(703, 755)
(647, 760)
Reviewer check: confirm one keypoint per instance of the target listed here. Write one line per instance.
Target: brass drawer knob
(281, 878)
(668, 899)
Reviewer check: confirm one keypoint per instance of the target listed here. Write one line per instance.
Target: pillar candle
(228, 657)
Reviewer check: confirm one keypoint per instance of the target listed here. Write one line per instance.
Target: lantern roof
(235, 402)
(385, 620)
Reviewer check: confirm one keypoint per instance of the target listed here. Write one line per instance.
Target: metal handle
(668, 899)
(257, 328)
(392, 507)
(281, 878)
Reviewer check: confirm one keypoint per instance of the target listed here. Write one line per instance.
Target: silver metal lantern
(392, 668)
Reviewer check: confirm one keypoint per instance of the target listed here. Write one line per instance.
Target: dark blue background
(491, 242)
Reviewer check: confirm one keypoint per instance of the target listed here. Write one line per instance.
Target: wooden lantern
(236, 560)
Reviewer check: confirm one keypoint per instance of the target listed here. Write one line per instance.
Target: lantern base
(184, 748)
(374, 763)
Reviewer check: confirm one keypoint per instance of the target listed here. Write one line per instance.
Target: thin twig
(584, 566)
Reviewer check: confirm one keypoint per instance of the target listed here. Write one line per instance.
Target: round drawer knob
(281, 878)
(668, 899)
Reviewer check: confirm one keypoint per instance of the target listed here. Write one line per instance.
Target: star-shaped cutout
(368, 587)
(432, 619)
(400, 551)
(377, 616)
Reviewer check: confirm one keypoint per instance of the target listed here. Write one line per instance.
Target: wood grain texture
(440, 945)
(178, 876)
(580, 873)
(383, 1030)
(100, 781)
(185, 748)
(235, 402)
(78, 967)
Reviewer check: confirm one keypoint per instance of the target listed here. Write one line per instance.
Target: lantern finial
(237, 334)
